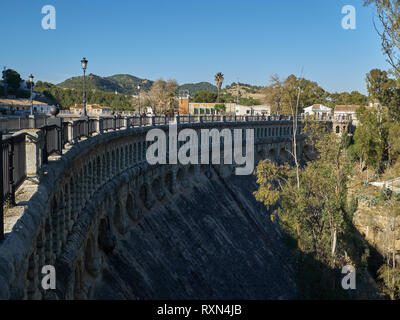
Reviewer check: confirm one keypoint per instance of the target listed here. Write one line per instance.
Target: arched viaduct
(82, 202)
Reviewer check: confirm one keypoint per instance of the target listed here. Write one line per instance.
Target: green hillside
(122, 83)
(128, 83)
(196, 87)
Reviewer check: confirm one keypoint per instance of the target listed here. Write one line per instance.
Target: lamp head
(84, 63)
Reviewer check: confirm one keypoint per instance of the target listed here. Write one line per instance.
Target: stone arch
(108, 166)
(117, 161)
(180, 176)
(145, 196)
(79, 293)
(105, 239)
(283, 154)
(157, 189)
(133, 212)
(131, 155)
(169, 181)
(191, 170)
(113, 163)
(272, 153)
(119, 218)
(92, 259)
(98, 171)
(121, 159)
(260, 155)
(56, 226)
(127, 162)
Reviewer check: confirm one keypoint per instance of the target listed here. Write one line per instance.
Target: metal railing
(13, 173)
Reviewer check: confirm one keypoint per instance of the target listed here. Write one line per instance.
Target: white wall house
(16, 106)
(252, 111)
(317, 109)
(346, 112)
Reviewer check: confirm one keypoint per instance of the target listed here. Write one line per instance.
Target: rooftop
(20, 102)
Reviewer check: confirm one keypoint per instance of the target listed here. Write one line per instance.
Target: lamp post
(31, 81)
(138, 87)
(84, 66)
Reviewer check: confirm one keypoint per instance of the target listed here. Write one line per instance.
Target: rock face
(211, 240)
(379, 229)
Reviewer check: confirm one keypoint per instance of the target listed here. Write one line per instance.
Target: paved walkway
(388, 184)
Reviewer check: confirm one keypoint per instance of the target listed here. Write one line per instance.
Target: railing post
(1, 190)
(32, 121)
(153, 120)
(11, 171)
(114, 123)
(177, 120)
(126, 123)
(100, 125)
(33, 150)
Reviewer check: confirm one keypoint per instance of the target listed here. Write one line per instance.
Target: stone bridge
(83, 202)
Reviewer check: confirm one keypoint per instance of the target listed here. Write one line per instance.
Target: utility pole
(237, 97)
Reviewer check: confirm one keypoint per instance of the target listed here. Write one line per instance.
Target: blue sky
(191, 40)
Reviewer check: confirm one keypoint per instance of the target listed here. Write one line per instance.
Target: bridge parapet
(87, 181)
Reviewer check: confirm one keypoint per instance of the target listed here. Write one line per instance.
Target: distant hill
(126, 84)
(195, 87)
(122, 83)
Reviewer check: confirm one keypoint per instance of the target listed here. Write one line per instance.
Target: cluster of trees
(376, 139)
(386, 91)
(66, 98)
(311, 207)
(12, 81)
(211, 97)
(311, 202)
(162, 96)
(278, 92)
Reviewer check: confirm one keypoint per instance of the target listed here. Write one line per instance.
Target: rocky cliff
(211, 240)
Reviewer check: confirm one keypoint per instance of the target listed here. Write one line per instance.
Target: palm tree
(219, 78)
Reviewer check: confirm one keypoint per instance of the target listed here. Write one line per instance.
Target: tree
(380, 86)
(162, 95)
(219, 79)
(388, 14)
(273, 94)
(346, 98)
(368, 139)
(393, 141)
(316, 205)
(12, 79)
(277, 94)
(204, 97)
(220, 107)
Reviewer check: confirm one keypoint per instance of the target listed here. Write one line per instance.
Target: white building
(17, 106)
(252, 111)
(317, 109)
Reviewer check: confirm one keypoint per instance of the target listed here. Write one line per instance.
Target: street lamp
(31, 81)
(84, 66)
(138, 87)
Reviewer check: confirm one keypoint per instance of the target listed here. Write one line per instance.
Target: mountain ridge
(126, 84)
